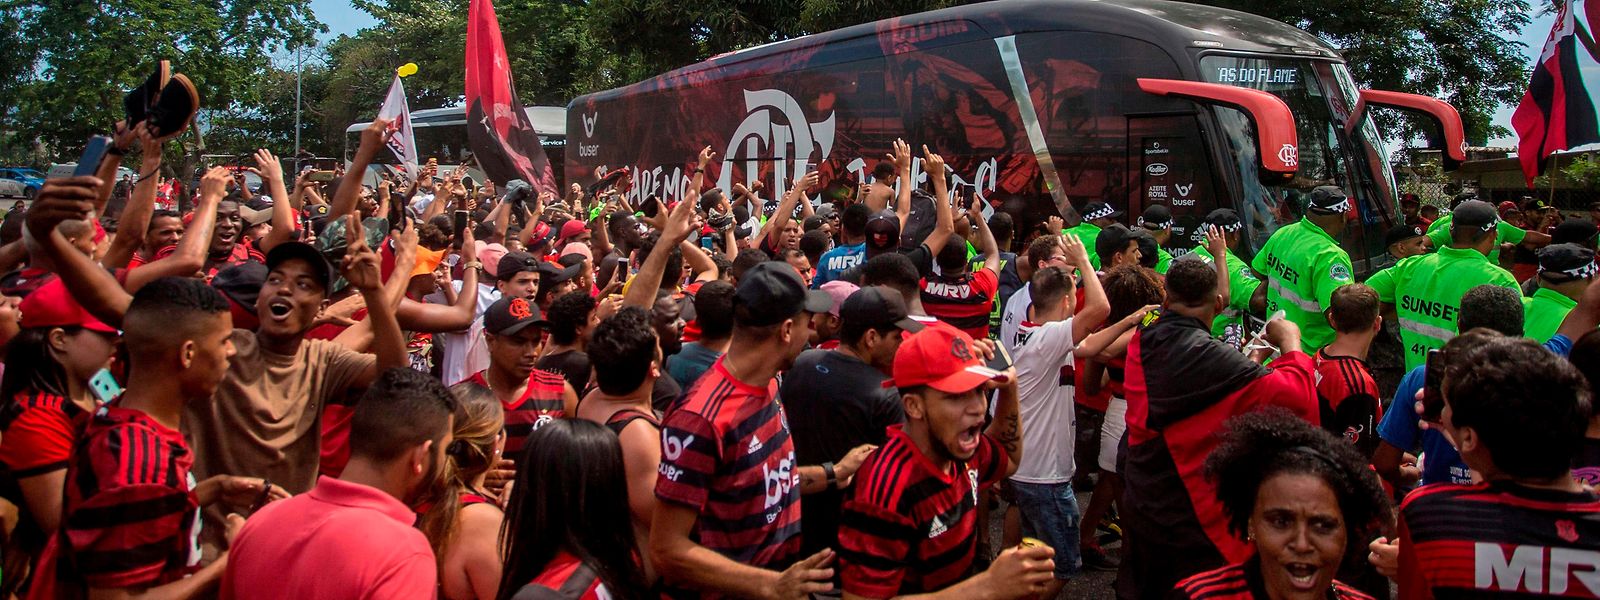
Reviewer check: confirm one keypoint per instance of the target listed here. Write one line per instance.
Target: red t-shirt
(562, 574)
(542, 402)
(1347, 399)
(40, 430)
(964, 301)
(726, 453)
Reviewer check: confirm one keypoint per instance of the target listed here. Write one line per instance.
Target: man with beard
(912, 525)
(352, 537)
(131, 505)
(836, 401)
(717, 528)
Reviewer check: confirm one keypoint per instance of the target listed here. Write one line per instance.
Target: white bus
(441, 133)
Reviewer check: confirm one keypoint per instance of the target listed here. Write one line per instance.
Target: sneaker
(1095, 559)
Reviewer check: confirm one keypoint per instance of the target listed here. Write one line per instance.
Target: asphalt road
(1087, 585)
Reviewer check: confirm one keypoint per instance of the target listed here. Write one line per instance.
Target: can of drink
(1029, 542)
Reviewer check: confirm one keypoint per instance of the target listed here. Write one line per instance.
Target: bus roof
(1171, 25)
(547, 120)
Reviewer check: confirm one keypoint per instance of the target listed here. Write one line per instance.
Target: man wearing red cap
(912, 525)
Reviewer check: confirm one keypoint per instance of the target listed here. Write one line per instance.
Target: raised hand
(679, 223)
(267, 166)
(1216, 242)
(214, 184)
(360, 265)
(68, 199)
(901, 155)
(375, 135)
(1055, 224)
(806, 182)
(706, 155)
(933, 164)
(1077, 254)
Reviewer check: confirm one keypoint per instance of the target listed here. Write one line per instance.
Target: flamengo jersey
(726, 452)
(1242, 581)
(911, 528)
(545, 400)
(963, 301)
(1498, 540)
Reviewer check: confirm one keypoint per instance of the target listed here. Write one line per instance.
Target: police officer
(1243, 287)
(1565, 271)
(1157, 220)
(1426, 290)
(1096, 216)
(1303, 264)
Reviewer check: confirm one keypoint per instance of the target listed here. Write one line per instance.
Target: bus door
(1169, 164)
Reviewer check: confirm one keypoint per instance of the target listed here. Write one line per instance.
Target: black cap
(507, 316)
(1474, 214)
(1462, 197)
(551, 274)
(1225, 219)
(1566, 262)
(241, 283)
(814, 222)
(1402, 232)
(516, 262)
(1149, 249)
(1100, 210)
(1156, 217)
(1112, 239)
(302, 251)
(1328, 200)
(1574, 231)
(878, 308)
(317, 211)
(884, 223)
(772, 292)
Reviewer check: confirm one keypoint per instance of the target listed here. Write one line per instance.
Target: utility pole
(298, 68)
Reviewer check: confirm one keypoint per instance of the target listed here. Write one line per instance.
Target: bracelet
(833, 478)
(474, 265)
(115, 151)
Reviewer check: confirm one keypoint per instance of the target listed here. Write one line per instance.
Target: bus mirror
(1441, 112)
(1277, 143)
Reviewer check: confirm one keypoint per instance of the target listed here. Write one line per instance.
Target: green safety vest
(1543, 313)
(976, 264)
(1242, 284)
(1504, 233)
(1303, 265)
(1426, 291)
(1087, 233)
(1164, 260)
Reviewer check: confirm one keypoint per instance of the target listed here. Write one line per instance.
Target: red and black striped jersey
(726, 452)
(39, 431)
(129, 516)
(1347, 398)
(910, 527)
(542, 402)
(1242, 581)
(1498, 540)
(964, 301)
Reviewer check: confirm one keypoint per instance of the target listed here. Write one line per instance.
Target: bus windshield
(1322, 96)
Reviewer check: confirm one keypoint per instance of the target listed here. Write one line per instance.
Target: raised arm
(1217, 245)
(94, 288)
(642, 292)
(457, 316)
(986, 241)
(1006, 429)
(372, 140)
(361, 267)
(902, 164)
(1095, 305)
(283, 226)
(945, 225)
(190, 256)
(134, 222)
(785, 211)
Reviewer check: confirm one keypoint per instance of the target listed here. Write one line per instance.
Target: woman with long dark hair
(47, 399)
(565, 523)
(463, 526)
(1304, 499)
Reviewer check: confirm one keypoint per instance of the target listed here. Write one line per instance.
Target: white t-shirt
(1044, 392)
(1016, 312)
(465, 352)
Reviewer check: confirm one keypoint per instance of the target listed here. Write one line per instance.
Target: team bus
(441, 133)
(1034, 104)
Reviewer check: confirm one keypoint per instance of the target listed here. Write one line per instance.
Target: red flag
(1557, 112)
(498, 129)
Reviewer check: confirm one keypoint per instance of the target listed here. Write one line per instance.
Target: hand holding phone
(94, 152)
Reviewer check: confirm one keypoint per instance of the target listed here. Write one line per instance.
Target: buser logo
(588, 124)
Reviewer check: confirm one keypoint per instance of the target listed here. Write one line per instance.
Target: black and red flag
(1558, 111)
(498, 129)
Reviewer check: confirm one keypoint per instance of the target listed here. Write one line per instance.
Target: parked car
(65, 170)
(20, 182)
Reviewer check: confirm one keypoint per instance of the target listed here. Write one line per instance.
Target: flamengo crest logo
(775, 130)
(1289, 155)
(588, 124)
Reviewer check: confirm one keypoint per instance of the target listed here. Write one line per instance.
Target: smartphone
(321, 176)
(620, 272)
(104, 386)
(1433, 387)
(650, 207)
(460, 224)
(707, 242)
(1001, 359)
(93, 153)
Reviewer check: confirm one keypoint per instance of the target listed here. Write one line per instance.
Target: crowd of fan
(340, 392)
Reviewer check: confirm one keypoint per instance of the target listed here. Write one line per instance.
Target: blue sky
(342, 18)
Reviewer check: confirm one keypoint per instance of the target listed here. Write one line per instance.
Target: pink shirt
(340, 540)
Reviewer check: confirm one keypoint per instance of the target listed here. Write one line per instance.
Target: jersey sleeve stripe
(103, 517)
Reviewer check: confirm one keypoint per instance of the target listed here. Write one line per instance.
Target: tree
(66, 79)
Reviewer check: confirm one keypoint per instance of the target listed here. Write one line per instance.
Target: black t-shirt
(833, 403)
(920, 256)
(1586, 465)
(572, 365)
(664, 394)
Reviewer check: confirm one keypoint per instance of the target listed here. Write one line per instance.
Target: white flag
(401, 143)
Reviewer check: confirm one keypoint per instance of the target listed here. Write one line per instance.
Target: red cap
(1508, 207)
(52, 306)
(571, 229)
(943, 358)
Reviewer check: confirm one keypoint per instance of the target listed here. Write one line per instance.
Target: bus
(441, 133)
(1035, 105)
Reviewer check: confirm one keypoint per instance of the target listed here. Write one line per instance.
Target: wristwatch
(833, 478)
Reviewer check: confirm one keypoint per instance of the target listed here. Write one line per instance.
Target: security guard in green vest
(1505, 233)
(1244, 290)
(1426, 290)
(1157, 219)
(1565, 271)
(1303, 264)
(1096, 216)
